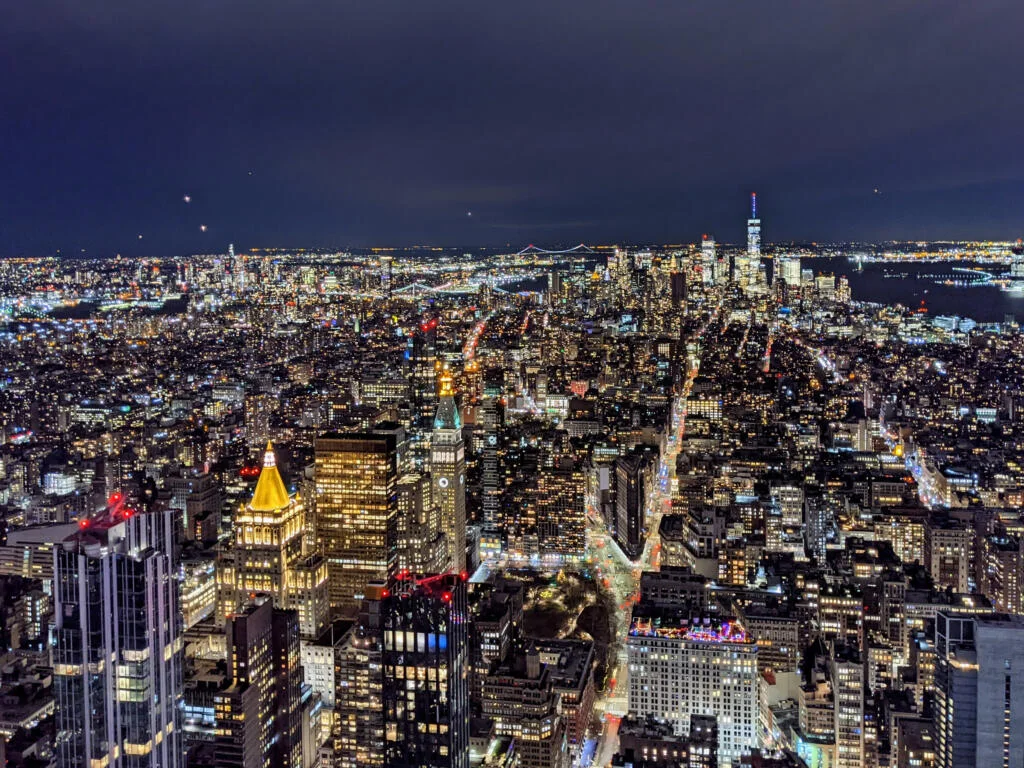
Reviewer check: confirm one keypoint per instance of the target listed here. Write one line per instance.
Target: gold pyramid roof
(270, 492)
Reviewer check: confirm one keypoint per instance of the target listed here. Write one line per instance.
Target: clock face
(443, 482)
(462, 479)
(492, 439)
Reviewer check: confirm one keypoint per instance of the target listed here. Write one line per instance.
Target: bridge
(576, 250)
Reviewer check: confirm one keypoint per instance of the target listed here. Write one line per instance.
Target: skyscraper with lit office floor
(117, 656)
(425, 686)
(448, 469)
(356, 479)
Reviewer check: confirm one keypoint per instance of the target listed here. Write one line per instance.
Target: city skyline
(526, 385)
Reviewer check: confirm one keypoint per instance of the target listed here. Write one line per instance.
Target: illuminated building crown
(270, 492)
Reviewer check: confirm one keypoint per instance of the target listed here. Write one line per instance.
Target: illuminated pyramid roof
(270, 491)
(447, 415)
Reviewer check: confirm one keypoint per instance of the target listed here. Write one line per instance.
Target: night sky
(338, 123)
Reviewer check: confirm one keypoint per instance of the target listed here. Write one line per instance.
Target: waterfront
(905, 283)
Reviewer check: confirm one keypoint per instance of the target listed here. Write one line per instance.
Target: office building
(425, 662)
(268, 556)
(979, 690)
(448, 469)
(117, 652)
(258, 713)
(753, 230)
(847, 677)
(356, 478)
(358, 731)
(630, 505)
(521, 699)
(422, 547)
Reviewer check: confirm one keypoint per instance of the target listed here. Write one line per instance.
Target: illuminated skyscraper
(258, 713)
(788, 269)
(387, 275)
(422, 547)
(448, 469)
(493, 418)
(847, 671)
(268, 558)
(708, 261)
(426, 674)
(753, 229)
(237, 268)
(358, 705)
(117, 655)
(356, 480)
(421, 357)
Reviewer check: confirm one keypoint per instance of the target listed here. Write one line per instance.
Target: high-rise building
(358, 704)
(677, 285)
(425, 674)
(979, 690)
(753, 229)
(263, 656)
(237, 268)
(117, 656)
(630, 505)
(492, 417)
(561, 517)
(847, 672)
(268, 556)
(678, 670)
(387, 275)
(356, 477)
(448, 470)
(788, 269)
(948, 546)
(422, 547)
(423, 364)
(708, 261)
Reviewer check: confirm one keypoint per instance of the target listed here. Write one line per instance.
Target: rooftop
(270, 492)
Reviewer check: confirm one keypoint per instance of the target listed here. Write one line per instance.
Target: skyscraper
(493, 417)
(263, 656)
(421, 356)
(117, 656)
(356, 478)
(387, 275)
(237, 268)
(847, 673)
(979, 690)
(708, 261)
(425, 674)
(753, 229)
(422, 547)
(358, 705)
(630, 505)
(448, 469)
(268, 557)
